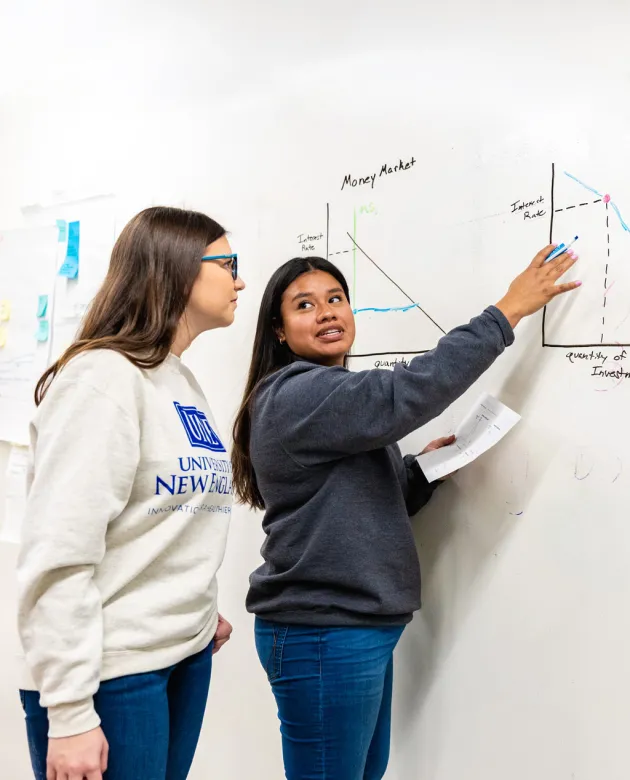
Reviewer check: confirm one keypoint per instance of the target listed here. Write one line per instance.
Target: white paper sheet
(15, 500)
(27, 271)
(484, 425)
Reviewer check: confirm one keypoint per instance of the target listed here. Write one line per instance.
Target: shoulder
(299, 384)
(105, 369)
(301, 373)
(99, 373)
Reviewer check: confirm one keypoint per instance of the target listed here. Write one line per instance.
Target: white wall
(516, 666)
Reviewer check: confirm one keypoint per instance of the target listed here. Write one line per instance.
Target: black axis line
(553, 181)
(584, 346)
(383, 354)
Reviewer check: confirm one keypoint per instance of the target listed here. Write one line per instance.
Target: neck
(333, 361)
(184, 337)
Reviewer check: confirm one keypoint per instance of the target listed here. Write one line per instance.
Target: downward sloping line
(363, 252)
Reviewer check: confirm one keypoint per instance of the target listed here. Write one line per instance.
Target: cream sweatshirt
(129, 501)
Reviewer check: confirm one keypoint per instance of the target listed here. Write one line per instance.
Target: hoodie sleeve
(85, 451)
(419, 490)
(322, 413)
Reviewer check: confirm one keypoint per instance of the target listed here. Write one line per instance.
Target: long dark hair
(268, 355)
(137, 309)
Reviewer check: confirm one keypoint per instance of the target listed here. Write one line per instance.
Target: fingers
(104, 757)
(218, 644)
(95, 775)
(437, 443)
(561, 264)
(559, 289)
(539, 259)
(51, 773)
(442, 442)
(223, 631)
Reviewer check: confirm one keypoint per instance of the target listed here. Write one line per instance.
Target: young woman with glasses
(129, 500)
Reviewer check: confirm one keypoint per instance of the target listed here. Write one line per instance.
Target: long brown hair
(268, 355)
(137, 309)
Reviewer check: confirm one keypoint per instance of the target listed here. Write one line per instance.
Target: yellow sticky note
(3, 337)
(5, 310)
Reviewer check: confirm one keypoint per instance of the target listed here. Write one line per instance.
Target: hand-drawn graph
(390, 320)
(599, 314)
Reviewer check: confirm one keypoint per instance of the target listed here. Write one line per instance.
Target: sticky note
(42, 305)
(3, 337)
(43, 330)
(5, 310)
(70, 268)
(62, 227)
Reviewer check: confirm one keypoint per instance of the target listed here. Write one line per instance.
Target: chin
(332, 355)
(228, 320)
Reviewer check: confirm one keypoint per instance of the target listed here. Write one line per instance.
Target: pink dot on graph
(606, 198)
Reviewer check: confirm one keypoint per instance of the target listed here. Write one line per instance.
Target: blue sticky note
(62, 227)
(42, 305)
(70, 268)
(43, 330)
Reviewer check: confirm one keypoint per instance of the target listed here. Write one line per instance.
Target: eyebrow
(310, 294)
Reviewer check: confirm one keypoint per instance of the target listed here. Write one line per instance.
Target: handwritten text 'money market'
(386, 170)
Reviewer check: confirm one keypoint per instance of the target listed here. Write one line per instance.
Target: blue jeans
(333, 688)
(151, 721)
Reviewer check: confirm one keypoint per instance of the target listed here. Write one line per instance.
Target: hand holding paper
(486, 424)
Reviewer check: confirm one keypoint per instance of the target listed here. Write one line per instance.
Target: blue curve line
(618, 213)
(391, 308)
(586, 187)
(599, 194)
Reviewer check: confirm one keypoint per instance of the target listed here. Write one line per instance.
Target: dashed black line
(588, 203)
(606, 272)
(343, 252)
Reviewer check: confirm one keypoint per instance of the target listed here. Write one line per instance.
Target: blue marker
(560, 249)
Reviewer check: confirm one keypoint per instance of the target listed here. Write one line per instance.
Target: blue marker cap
(560, 249)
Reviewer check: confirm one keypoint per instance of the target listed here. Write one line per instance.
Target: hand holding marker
(560, 249)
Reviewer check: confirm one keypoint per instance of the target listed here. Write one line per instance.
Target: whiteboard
(517, 664)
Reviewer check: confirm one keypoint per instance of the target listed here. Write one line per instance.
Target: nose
(239, 284)
(325, 314)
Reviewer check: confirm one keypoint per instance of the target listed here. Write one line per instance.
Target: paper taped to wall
(484, 425)
(15, 500)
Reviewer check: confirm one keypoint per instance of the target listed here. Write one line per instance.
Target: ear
(280, 335)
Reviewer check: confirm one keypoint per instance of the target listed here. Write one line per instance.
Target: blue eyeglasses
(232, 265)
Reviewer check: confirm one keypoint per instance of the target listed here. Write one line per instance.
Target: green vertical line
(354, 259)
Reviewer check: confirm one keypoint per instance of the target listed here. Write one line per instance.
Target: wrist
(510, 311)
(70, 720)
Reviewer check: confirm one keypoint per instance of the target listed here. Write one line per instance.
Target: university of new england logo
(198, 429)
